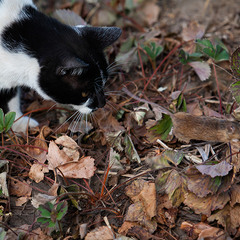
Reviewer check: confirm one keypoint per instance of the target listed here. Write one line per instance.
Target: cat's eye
(85, 94)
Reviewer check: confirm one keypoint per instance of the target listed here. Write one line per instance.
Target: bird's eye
(85, 94)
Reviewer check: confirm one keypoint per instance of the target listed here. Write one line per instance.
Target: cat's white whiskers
(51, 107)
(73, 120)
(86, 121)
(65, 121)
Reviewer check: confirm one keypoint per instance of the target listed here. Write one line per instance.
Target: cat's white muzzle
(83, 108)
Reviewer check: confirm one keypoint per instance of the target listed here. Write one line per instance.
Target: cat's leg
(10, 102)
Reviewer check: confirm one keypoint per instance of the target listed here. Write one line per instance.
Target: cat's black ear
(74, 65)
(102, 36)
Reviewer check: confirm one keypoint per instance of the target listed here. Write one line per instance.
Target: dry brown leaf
(211, 113)
(83, 230)
(84, 168)
(66, 141)
(172, 183)
(103, 233)
(202, 185)
(135, 213)
(70, 147)
(235, 194)
(126, 226)
(37, 172)
(228, 217)
(207, 204)
(193, 31)
(35, 234)
(69, 17)
(194, 109)
(144, 192)
(139, 233)
(39, 151)
(53, 190)
(20, 201)
(103, 17)
(107, 122)
(203, 231)
(67, 160)
(56, 157)
(20, 188)
(220, 169)
(148, 12)
(202, 69)
(166, 213)
(40, 199)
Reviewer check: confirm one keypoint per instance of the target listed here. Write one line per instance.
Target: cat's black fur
(72, 64)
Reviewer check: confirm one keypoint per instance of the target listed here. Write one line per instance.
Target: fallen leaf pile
(161, 159)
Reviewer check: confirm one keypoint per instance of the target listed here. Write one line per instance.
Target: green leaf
(163, 127)
(127, 45)
(222, 56)
(44, 212)
(159, 50)
(183, 56)
(209, 52)
(43, 220)
(59, 206)
(9, 119)
(181, 103)
(205, 42)
(2, 125)
(51, 224)
(235, 89)
(195, 55)
(149, 52)
(62, 212)
(51, 206)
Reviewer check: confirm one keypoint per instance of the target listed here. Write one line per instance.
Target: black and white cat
(61, 63)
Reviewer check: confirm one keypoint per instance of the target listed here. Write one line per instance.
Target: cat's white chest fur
(16, 68)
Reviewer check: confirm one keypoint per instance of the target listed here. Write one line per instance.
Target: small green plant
(218, 52)
(6, 121)
(52, 213)
(153, 51)
(186, 57)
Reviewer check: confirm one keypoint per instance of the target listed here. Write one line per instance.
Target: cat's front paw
(23, 124)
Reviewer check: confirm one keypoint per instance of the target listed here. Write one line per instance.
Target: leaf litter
(161, 159)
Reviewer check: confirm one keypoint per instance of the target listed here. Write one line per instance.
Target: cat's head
(76, 69)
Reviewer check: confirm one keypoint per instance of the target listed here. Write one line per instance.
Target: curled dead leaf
(203, 231)
(37, 172)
